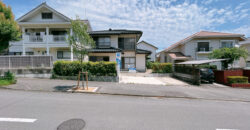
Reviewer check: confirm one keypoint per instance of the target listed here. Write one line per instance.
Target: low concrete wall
(29, 73)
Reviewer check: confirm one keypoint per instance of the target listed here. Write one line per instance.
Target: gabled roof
(205, 34)
(147, 44)
(115, 32)
(39, 7)
(178, 55)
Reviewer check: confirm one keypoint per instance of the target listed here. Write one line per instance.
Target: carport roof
(199, 62)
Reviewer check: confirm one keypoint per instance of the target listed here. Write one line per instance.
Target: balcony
(28, 39)
(204, 50)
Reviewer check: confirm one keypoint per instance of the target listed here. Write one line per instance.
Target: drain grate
(72, 124)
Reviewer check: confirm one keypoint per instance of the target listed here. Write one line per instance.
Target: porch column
(23, 33)
(47, 40)
(71, 48)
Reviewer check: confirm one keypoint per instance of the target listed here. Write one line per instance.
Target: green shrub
(72, 68)
(7, 79)
(237, 79)
(149, 64)
(162, 67)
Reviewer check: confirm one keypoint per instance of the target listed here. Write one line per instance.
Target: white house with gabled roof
(44, 32)
(147, 46)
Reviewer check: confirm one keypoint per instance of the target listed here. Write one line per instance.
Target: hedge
(162, 67)
(237, 79)
(149, 64)
(7, 79)
(213, 67)
(72, 68)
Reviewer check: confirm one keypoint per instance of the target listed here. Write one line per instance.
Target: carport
(189, 72)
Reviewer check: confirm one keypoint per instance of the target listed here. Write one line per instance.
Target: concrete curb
(137, 95)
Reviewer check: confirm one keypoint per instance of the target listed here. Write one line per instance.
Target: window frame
(124, 45)
(233, 43)
(63, 57)
(100, 44)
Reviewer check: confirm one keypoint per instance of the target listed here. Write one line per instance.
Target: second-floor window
(102, 42)
(126, 43)
(47, 15)
(227, 44)
(203, 46)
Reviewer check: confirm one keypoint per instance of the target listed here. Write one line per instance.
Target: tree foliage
(9, 30)
(80, 39)
(231, 54)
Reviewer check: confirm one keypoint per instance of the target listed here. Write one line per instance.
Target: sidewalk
(206, 91)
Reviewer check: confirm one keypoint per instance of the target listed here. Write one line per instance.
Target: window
(102, 42)
(126, 43)
(98, 58)
(46, 15)
(248, 64)
(129, 62)
(227, 44)
(29, 53)
(203, 46)
(63, 54)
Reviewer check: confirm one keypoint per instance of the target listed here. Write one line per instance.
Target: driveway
(205, 91)
(144, 79)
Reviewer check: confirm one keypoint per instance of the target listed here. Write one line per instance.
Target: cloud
(163, 22)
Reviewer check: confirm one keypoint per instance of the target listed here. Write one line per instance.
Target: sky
(163, 22)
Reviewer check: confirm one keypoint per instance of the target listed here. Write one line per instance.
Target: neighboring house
(199, 45)
(146, 46)
(44, 32)
(109, 42)
(245, 63)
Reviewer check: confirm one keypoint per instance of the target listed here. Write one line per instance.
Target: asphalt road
(47, 110)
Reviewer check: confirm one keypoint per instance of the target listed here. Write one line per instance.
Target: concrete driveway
(144, 79)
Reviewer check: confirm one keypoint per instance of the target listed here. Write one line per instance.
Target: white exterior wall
(149, 48)
(37, 17)
(162, 57)
(140, 62)
(114, 41)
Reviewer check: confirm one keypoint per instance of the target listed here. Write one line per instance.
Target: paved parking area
(151, 80)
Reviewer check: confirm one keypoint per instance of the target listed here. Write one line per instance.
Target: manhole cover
(72, 124)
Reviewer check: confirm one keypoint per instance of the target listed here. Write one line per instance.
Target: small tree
(80, 39)
(9, 30)
(231, 54)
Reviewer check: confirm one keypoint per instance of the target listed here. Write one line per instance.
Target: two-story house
(199, 45)
(109, 42)
(44, 32)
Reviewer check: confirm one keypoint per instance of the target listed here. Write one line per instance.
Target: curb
(137, 95)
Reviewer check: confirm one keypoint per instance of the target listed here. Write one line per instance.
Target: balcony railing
(35, 38)
(204, 49)
(59, 38)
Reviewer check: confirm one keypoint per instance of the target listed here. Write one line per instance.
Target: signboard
(118, 60)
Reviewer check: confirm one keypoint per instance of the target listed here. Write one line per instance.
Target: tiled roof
(115, 32)
(105, 50)
(177, 55)
(204, 34)
(141, 51)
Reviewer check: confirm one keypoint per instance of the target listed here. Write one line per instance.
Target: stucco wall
(112, 56)
(37, 17)
(140, 62)
(149, 48)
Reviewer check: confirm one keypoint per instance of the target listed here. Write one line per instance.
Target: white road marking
(227, 129)
(26, 120)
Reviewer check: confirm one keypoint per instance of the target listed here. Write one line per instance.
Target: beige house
(109, 42)
(245, 63)
(199, 45)
(147, 46)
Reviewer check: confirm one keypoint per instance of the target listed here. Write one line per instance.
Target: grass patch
(4, 82)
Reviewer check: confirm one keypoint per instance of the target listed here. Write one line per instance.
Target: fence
(15, 62)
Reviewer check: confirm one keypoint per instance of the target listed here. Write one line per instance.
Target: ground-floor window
(98, 58)
(63, 54)
(248, 64)
(129, 62)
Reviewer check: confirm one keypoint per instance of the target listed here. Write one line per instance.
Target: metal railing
(204, 49)
(35, 38)
(59, 38)
(14, 62)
